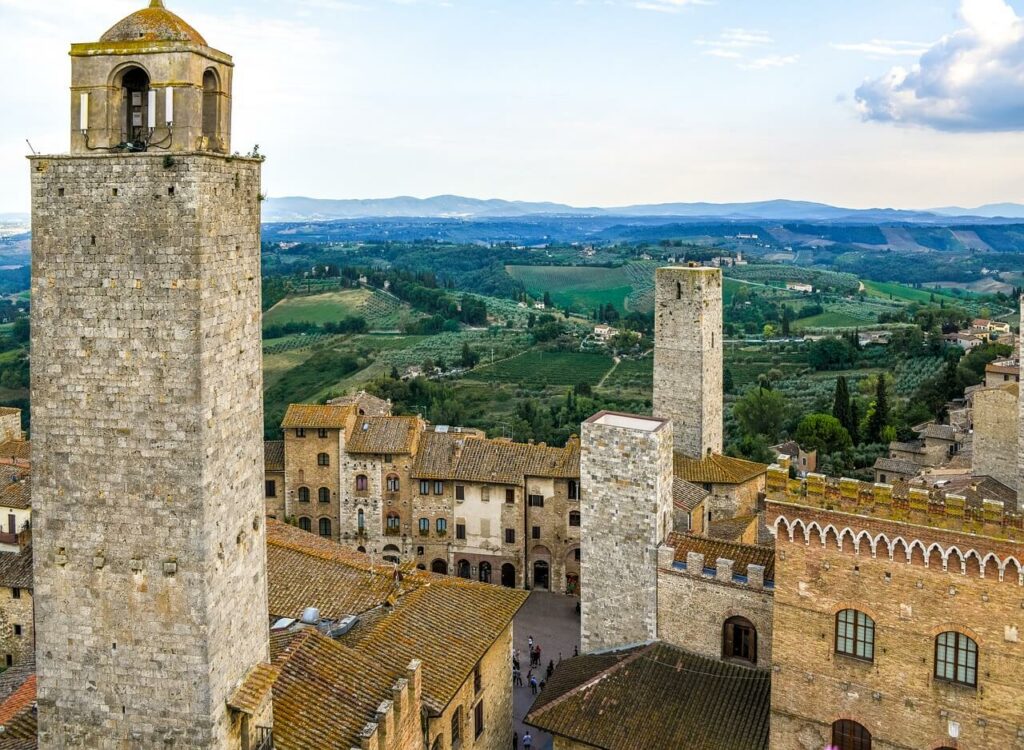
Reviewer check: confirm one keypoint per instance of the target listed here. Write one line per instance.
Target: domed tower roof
(153, 24)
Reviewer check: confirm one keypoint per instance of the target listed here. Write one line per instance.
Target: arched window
(306, 524)
(325, 527)
(361, 520)
(739, 640)
(361, 549)
(362, 483)
(439, 566)
(211, 110)
(855, 635)
(303, 494)
(464, 568)
(849, 735)
(135, 89)
(485, 572)
(394, 522)
(442, 525)
(424, 526)
(323, 495)
(574, 518)
(323, 459)
(956, 658)
(394, 484)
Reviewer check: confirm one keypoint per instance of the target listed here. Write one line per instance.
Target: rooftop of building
(897, 466)
(470, 459)
(731, 529)
(1004, 366)
(687, 496)
(318, 416)
(153, 24)
(16, 569)
(790, 448)
(366, 404)
(273, 455)
(382, 435)
(17, 707)
(15, 487)
(716, 469)
(742, 555)
(655, 696)
(974, 489)
(935, 431)
(912, 446)
(404, 614)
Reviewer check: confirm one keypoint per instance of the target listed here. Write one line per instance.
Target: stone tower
(688, 356)
(1020, 421)
(150, 557)
(626, 484)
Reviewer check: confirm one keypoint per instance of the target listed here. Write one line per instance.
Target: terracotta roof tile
(18, 701)
(471, 459)
(273, 455)
(325, 693)
(742, 555)
(716, 469)
(16, 450)
(317, 416)
(15, 487)
(254, 689)
(686, 496)
(16, 569)
(656, 696)
(730, 529)
(897, 466)
(380, 435)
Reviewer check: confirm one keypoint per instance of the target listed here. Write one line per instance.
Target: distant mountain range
(299, 209)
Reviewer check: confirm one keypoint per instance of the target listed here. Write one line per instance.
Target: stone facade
(626, 473)
(311, 488)
(996, 434)
(17, 625)
(694, 605)
(148, 487)
(688, 385)
(1020, 426)
(493, 693)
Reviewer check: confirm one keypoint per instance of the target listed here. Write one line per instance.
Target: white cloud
(668, 6)
(770, 61)
(971, 80)
(878, 48)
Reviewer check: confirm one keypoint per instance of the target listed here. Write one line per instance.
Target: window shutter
(727, 646)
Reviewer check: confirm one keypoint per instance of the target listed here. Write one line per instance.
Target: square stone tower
(626, 488)
(1020, 421)
(688, 356)
(148, 523)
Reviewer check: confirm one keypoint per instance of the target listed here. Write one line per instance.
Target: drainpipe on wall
(527, 580)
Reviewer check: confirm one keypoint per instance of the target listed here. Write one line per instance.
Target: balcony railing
(264, 738)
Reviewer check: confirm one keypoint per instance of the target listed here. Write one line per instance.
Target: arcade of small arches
(912, 551)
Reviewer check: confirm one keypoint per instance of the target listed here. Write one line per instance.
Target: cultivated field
(537, 368)
(628, 287)
(382, 311)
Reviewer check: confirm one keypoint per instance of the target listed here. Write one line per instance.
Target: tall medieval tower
(626, 478)
(688, 357)
(150, 558)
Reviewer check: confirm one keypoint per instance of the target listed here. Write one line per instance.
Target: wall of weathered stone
(996, 434)
(17, 626)
(688, 356)
(693, 608)
(148, 460)
(896, 696)
(626, 484)
(1020, 427)
(302, 470)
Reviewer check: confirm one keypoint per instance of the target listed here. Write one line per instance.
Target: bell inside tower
(135, 104)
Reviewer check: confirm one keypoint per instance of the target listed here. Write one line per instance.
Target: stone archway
(439, 566)
(508, 575)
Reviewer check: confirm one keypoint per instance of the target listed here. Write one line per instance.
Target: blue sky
(591, 102)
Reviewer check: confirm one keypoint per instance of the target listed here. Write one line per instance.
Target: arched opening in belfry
(134, 105)
(211, 109)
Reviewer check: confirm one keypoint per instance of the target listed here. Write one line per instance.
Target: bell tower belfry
(150, 83)
(148, 520)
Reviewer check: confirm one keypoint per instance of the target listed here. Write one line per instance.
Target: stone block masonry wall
(150, 569)
(995, 435)
(1020, 429)
(626, 508)
(693, 608)
(688, 356)
(17, 631)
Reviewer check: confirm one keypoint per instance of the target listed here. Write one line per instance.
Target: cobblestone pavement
(552, 621)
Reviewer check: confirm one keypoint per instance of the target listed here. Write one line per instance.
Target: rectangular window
(300, 432)
(15, 593)
(536, 501)
(271, 490)
(510, 536)
(460, 492)
(424, 487)
(457, 728)
(441, 525)
(510, 496)
(438, 488)
(855, 635)
(477, 679)
(485, 494)
(424, 526)
(321, 433)
(536, 532)
(323, 459)
(388, 458)
(17, 629)
(574, 489)
(478, 718)
(460, 531)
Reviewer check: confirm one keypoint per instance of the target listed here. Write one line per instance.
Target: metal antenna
(34, 152)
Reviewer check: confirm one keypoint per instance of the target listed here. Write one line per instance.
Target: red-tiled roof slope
(325, 693)
(656, 696)
(742, 555)
(317, 416)
(273, 455)
(469, 459)
(716, 469)
(379, 435)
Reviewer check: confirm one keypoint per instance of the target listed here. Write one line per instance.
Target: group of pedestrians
(536, 684)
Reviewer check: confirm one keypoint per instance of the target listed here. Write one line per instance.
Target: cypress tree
(880, 417)
(841, 405)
